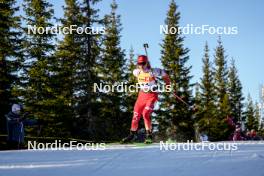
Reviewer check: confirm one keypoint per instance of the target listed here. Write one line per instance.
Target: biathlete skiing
(147, 97)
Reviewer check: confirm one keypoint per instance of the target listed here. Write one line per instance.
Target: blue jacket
(15, 127)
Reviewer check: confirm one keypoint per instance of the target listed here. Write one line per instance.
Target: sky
(141, 20)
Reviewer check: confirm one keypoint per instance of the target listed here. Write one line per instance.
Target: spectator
(15, 126)
(238, 134)
(203, 137)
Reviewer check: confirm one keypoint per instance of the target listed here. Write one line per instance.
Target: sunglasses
(142, 63)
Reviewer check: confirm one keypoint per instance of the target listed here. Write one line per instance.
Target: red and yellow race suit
(146, 99)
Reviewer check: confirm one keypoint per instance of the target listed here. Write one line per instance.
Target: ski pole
(179, 98)
(145, 45)
(184, 102)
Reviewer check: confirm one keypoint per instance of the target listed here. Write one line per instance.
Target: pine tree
(112, 73)
(10, 56)
(235, 93)
(221, 74)
(257, 117)
(131, 79)
(251, 121)
(174, 115)
(69, 49)
(87, 75)
(222, 97)
(40, 64)
(199, 114)
(130, 96)
(206, 108)
(131, 65)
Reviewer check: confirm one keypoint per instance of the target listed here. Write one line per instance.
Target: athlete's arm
(165, 76)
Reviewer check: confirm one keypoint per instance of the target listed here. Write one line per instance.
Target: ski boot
(148, 139)
(130, 138)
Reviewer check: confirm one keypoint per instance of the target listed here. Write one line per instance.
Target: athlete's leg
(148, 109)
(138, 109)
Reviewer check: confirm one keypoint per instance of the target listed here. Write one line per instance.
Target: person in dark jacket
(15, 126)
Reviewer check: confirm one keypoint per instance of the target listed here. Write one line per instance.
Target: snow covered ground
(131, 160)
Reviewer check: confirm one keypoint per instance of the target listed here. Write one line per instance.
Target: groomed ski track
(135, 160)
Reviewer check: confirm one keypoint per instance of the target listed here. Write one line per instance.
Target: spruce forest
(53, 77)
